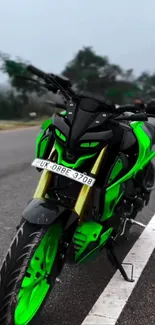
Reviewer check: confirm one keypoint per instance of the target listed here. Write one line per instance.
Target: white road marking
(113, 299)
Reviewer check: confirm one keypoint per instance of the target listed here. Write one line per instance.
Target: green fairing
(41, 145)
(45, 125)
(112, 197)
(115, 191)
(88, 239)
(77, 164)
(115, 171)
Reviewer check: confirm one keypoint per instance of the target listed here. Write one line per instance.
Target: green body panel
(88, 239)
(112, 197)
(145, 152)
(45, 125)
(41, 145)
(114, 191)
(116, 170)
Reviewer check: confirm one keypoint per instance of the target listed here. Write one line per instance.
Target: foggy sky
(49, 33)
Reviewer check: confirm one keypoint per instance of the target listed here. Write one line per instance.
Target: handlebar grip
(138, 117)
(127, 108)
(150, 109)
(36, 71)
(133, 117)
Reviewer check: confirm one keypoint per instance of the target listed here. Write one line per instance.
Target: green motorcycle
(97, 174)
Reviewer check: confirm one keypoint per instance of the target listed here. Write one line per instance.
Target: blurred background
(106, 47)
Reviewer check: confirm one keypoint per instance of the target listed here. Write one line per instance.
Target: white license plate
(64, 171)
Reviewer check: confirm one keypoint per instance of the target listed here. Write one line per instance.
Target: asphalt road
(17, 149)
(80, 286)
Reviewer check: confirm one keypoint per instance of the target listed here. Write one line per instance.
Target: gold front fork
(85, 190)
(44, 182)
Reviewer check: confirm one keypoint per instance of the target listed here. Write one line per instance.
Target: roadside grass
(10, 125)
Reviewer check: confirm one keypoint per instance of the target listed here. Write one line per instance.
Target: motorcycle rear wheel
(28, 273)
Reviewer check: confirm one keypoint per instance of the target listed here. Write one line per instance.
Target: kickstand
(114, 260)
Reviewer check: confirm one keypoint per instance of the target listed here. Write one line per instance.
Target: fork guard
(45, 212)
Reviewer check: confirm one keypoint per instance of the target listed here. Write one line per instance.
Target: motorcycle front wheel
(28, 273)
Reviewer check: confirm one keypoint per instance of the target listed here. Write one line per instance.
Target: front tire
(28, 272)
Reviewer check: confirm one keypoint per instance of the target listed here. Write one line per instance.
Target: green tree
(122, 92)
(86, 69)
(19, 77)
(91, 72)
(22, 83)
(10, 106)
(146, 82)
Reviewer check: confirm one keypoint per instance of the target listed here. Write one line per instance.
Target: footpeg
(150, 189)
(134, 222)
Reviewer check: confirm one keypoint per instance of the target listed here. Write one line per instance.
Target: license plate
(64, 171)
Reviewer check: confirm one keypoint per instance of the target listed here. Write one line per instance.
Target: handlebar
(134, 117)
(52, 81)
(39, 73)
(55, 83)
(134, 108)
(142, 112)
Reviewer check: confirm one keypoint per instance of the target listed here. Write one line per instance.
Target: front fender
(45, 212)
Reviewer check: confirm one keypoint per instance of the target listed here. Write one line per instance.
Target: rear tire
(28, 272)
